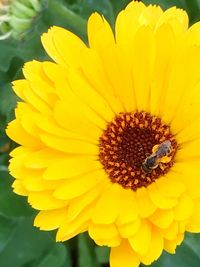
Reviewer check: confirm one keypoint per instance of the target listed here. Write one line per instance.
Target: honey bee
(160, 154)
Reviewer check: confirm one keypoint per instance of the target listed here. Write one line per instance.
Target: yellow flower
(109, 134)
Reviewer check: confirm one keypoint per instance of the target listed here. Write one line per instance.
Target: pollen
(127, 142)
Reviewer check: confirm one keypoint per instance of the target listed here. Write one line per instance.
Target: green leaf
(102, 254)
(86, 7)
(166, 3)
(7, 49)
(86, 252)
(65, 17)
(57, 256)
(8, 101)
(193, 9)
(12, 205)
(193, 241)
(119, 5)
(26, 245)
(7, 227)
(187, 255)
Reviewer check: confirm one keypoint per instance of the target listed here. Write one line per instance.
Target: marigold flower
(109, 134)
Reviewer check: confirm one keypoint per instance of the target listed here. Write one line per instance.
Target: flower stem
(57, 9)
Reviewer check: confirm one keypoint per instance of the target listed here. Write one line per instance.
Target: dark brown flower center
(126, 145)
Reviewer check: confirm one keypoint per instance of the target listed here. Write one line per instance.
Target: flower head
(16, 17)
(109, 134)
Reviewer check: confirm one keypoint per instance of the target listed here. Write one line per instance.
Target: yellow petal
(16, 132)
(100, 34)
(33, 71)
(37, 79)
(19, 86)
(193, 225)
(23, 114)
(143, 66)
(112, 61)
(184, 208)
(170, 186)
(104, 233)
(34, 182)
(145, 205)
(19, 189)
(18, 151)
(77, 186)
(68, 229)
(107, 207)
(45, 201)
(95, 72)
(155, 249)
(188, 173)
(50, 219)
(177, 18)
(134, 16)
(19, 156)
(128, 230)
(189, 150)
(112, 242)
(162, 218)
(123, 256)
(171, 232)
(165, 51)
(63, 46)
(69, 145)
(192, 35)
(69, 167)
(77, 205)
(49, 126)
(128, 209)
(86, 93)
(141, 241)
(170, 246)
(76, 121)
(189, 132)
(160, 200)
(185, 61)
(188, 109)
(42, 158)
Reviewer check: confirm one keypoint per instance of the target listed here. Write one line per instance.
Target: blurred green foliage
(22, 245)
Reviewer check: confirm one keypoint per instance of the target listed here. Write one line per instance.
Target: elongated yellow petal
(162, 218)
(68, 167)
(77, 186)
(128, 209)
(123, 256)
(128, 230)
(161, 201)
(69, 145)
(53, 217)
(107, 208)
(143, 66)
(63, 46)
(78, 204)
(155, 249)
(145, 205)
(194, 221)
(104, 233)
(141, 241)
(68, 229)
(184, 208)
(45, 201)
